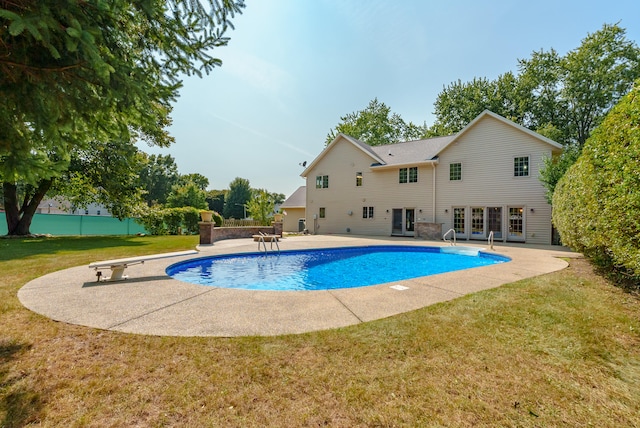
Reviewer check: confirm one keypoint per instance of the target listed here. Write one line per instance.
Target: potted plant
(206, 216)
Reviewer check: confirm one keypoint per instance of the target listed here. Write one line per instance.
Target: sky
(293, 68)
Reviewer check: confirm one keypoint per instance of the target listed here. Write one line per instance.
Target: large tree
(187, 195)
(199, 180)
(561, 97)
(260, 206)
(215, 200)
(376, 125)
(564, 97)
(105, 174)
(460, 102)
(235, 202)
(157, 176)
(574, 92)
(80, 78)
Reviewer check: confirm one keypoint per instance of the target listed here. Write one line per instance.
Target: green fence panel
(62, 224)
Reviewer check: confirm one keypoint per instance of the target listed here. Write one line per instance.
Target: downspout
(433, 194)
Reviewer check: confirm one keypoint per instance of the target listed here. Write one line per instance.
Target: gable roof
(411, 152)
(364, 147)
(421, 151)
(508, 122)
(298, 199)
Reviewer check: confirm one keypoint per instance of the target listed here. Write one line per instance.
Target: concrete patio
(150, 302)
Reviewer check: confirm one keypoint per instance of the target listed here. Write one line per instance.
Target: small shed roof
(298, 199)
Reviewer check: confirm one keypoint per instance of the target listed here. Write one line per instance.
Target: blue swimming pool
(323, 269)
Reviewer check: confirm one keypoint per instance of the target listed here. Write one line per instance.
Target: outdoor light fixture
(532, 210)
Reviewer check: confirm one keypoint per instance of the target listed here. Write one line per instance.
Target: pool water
(324, 269)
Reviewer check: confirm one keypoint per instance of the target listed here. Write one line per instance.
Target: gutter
(404, 165)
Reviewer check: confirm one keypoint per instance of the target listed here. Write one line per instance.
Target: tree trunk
(18, 217)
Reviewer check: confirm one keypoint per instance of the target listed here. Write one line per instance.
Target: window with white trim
(408, 175)
(322, 181)
(455, 171)
(521, 166)
(367, 212)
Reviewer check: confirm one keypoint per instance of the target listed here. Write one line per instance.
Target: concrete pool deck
(150, 302)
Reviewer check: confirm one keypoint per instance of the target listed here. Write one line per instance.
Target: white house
(484, 178)
(62, 206)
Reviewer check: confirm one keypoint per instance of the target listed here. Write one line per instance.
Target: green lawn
(561, 349)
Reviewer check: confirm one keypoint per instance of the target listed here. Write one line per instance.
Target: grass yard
(561, 349)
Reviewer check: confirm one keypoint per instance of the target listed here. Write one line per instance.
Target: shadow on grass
(19, 404)
(12, 249)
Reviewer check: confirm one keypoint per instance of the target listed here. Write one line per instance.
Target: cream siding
(290, 221)
(486, 149)
(344, 200)
(487, 153)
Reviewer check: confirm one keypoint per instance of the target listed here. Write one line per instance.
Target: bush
(218, 219)
(153, 221)
(191, 217)
(596, 205)
(173, 218)
(163, 221)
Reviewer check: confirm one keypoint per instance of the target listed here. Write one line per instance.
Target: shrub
(218, 219)
(163, 221)
(173, 218)
(191, 217)
(596, 205)
(153, 221)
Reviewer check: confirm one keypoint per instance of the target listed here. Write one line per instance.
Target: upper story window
(455, 171)
(358, 179)
(322, 181)
(413, 174)
(408, 175)
(521, 166)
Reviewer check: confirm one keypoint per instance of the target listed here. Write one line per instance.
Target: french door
(494, 222)
(484, 220)
(402, 221)
(516, 224)
(477, 223)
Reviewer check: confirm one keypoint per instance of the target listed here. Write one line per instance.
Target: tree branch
(47, 69)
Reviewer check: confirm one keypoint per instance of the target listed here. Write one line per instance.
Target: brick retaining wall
(210, 234)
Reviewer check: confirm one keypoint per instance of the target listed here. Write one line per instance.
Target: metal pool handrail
(444, 237)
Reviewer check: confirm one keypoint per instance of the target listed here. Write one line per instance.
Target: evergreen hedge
(596, 205)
